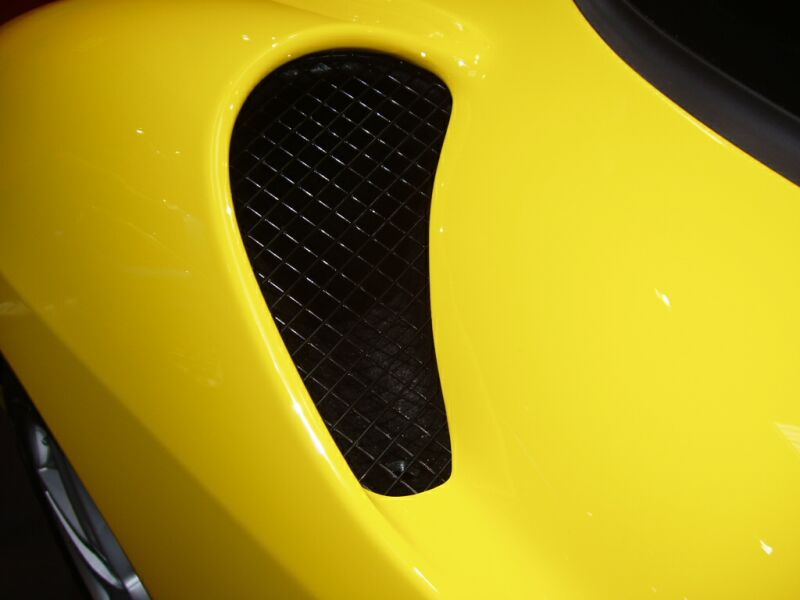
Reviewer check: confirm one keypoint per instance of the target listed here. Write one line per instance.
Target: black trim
(752, 122)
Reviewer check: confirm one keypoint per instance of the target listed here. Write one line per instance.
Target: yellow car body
(614, 290)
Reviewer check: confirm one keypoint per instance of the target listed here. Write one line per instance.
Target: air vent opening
(332, 165)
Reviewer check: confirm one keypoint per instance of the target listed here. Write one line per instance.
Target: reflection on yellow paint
(791, 432)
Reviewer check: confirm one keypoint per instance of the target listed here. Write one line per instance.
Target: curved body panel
(613, 294)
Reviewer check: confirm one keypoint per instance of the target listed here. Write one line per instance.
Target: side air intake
(332, 164)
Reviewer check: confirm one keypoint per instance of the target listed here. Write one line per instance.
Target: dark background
(754, 41)
(32, 561)
(12, 8)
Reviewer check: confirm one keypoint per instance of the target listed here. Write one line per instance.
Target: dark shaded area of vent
(332, 164)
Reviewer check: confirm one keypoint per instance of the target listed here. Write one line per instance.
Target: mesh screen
(332, 164)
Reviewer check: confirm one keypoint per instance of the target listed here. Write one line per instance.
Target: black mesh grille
(332, 165)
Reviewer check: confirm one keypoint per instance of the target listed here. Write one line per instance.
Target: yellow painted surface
(614, 289)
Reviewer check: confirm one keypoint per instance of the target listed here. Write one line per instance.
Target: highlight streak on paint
(664, 298)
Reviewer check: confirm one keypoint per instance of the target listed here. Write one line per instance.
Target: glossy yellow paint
(614, 290)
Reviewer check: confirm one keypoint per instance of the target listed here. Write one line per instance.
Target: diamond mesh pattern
(332, 165)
